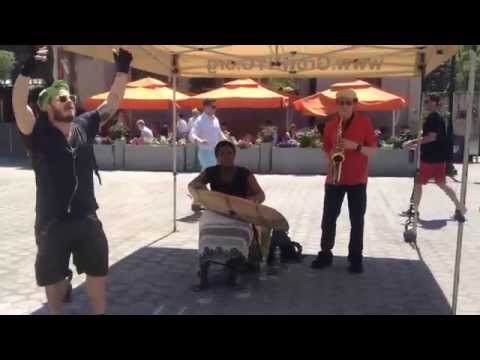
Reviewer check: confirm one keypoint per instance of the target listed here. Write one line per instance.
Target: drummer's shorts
(57, 240)
(436, 171)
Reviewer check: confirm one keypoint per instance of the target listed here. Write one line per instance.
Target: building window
(141, 74)
(377, 82)
(201, 85)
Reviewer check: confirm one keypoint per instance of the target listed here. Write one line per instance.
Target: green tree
(439, 80)
(463, 68)
(140, 74)
(7, 64)
(200, 85)
(278, 84)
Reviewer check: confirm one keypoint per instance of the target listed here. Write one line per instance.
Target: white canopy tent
(299, 61)
(307, 61)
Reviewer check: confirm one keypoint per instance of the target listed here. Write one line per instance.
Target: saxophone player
(349, 140)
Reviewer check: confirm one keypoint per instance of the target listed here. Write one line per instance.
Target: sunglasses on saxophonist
(346, 102)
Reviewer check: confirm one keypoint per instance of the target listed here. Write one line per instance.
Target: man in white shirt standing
(206, 132)
(145, 133)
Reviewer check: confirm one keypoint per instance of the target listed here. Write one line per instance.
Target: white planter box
(265, 166)
(119, 154)
(298, 161)
(249, 158)
(10, 140)
(105, 156)
(191, 158)
(153, 158)
(389, 162)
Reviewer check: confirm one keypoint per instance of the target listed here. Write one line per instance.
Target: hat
(195, 111)
(47, 95)
(346, 94)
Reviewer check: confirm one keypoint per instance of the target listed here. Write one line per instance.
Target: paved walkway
(152, 272)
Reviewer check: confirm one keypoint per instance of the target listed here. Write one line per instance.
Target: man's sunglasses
(65, 98)
(346, 102)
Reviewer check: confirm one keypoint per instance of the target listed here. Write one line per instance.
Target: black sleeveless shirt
(237, 187)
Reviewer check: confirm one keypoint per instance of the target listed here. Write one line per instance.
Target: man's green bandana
(50, 93)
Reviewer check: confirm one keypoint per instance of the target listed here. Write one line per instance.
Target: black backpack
(290, 251)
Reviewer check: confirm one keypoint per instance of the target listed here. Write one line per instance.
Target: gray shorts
(57, 240)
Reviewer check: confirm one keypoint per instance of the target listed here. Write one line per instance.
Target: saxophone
(338, 156)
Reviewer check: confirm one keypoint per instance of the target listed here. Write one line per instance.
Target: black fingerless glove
(122, 59)
(30, 63)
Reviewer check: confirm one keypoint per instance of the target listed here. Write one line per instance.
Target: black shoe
(459, 216)
(451, 171)
(351, 259)
(355, 267)
(323, 260)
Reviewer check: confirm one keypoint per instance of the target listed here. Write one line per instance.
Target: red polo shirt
(355, 165)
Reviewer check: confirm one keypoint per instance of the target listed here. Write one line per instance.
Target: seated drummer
(232, 250)
(228, 178)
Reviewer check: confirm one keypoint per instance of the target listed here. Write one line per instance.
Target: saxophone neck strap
(346, 123)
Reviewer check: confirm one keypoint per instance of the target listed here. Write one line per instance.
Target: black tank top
(237, 187)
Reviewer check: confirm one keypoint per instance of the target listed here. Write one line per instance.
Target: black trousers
(357, 205)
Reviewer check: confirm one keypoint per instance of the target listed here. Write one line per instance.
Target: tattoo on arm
(105, 113)
(111, 105)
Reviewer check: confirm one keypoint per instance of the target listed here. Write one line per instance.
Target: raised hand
(38, 54)
(122, 58)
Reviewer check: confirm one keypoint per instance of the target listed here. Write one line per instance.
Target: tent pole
(393, 122)
(450, 130)
(463, 192)
(55, 71)
(397, 117)
(287, 117)
(413, 204)
(174, 141)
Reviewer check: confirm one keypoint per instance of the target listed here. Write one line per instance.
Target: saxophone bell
(338, 157)
(337, 162)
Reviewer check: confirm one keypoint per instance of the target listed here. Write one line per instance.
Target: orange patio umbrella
(147, 82)
(144, 94)
(370, 98)
(243, 93)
